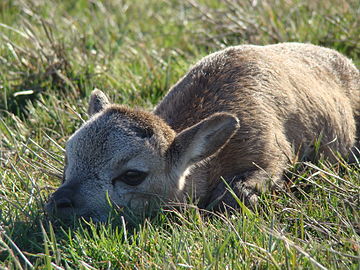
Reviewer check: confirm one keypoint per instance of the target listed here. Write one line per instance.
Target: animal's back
(249, 72)
(285, 96)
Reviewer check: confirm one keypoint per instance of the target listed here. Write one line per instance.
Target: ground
(54, 53)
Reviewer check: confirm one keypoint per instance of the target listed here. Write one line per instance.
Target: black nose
(64, 197)
(63, 203)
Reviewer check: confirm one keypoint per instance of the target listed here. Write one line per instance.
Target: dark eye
(131, 178)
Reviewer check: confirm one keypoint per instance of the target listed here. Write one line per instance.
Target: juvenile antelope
(239, 115)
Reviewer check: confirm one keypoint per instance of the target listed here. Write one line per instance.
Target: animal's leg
(257, 179)
(247, 187)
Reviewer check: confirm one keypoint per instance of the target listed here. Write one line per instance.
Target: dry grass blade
(356, 188)
(290, 243)
(2, 233)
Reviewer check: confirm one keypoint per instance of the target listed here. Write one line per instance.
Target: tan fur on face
(284, 96)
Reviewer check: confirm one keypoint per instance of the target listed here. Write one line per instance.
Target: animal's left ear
(202, 140)
(98, 102)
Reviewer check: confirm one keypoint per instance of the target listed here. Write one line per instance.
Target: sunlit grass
(53, 53)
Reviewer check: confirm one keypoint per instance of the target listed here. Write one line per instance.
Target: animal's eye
(131, 178)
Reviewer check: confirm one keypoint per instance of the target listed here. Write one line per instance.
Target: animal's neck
(196, 183)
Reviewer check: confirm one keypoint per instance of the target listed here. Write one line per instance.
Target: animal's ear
(202, 140)
(98, 102)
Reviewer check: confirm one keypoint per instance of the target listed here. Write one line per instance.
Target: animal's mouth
(70, 215)
(134, 211)
(73, 218)
(93, 217)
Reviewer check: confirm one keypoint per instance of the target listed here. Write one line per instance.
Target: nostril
(64, 203)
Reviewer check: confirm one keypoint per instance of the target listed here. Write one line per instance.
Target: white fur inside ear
(98, 102)
(181, 182)
(199, 142)
(205, 138)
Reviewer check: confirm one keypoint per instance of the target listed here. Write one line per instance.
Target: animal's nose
(64, 197)
(63, 203)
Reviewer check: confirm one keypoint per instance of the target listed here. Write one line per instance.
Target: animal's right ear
(98, 102)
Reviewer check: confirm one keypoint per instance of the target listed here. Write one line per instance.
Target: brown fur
(285, 97)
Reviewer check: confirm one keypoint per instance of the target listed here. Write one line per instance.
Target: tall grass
(53, 53)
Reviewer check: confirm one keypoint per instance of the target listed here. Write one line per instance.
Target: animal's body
(241, 114)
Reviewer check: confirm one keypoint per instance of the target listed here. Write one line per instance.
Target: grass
(53, 53)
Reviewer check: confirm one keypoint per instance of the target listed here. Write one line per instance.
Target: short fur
(284, 96)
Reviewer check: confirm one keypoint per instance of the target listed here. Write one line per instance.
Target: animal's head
(131, 159)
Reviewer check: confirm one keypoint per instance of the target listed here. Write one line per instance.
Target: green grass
(53, 53)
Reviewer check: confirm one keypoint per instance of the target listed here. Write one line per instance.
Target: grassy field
(53, 53)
